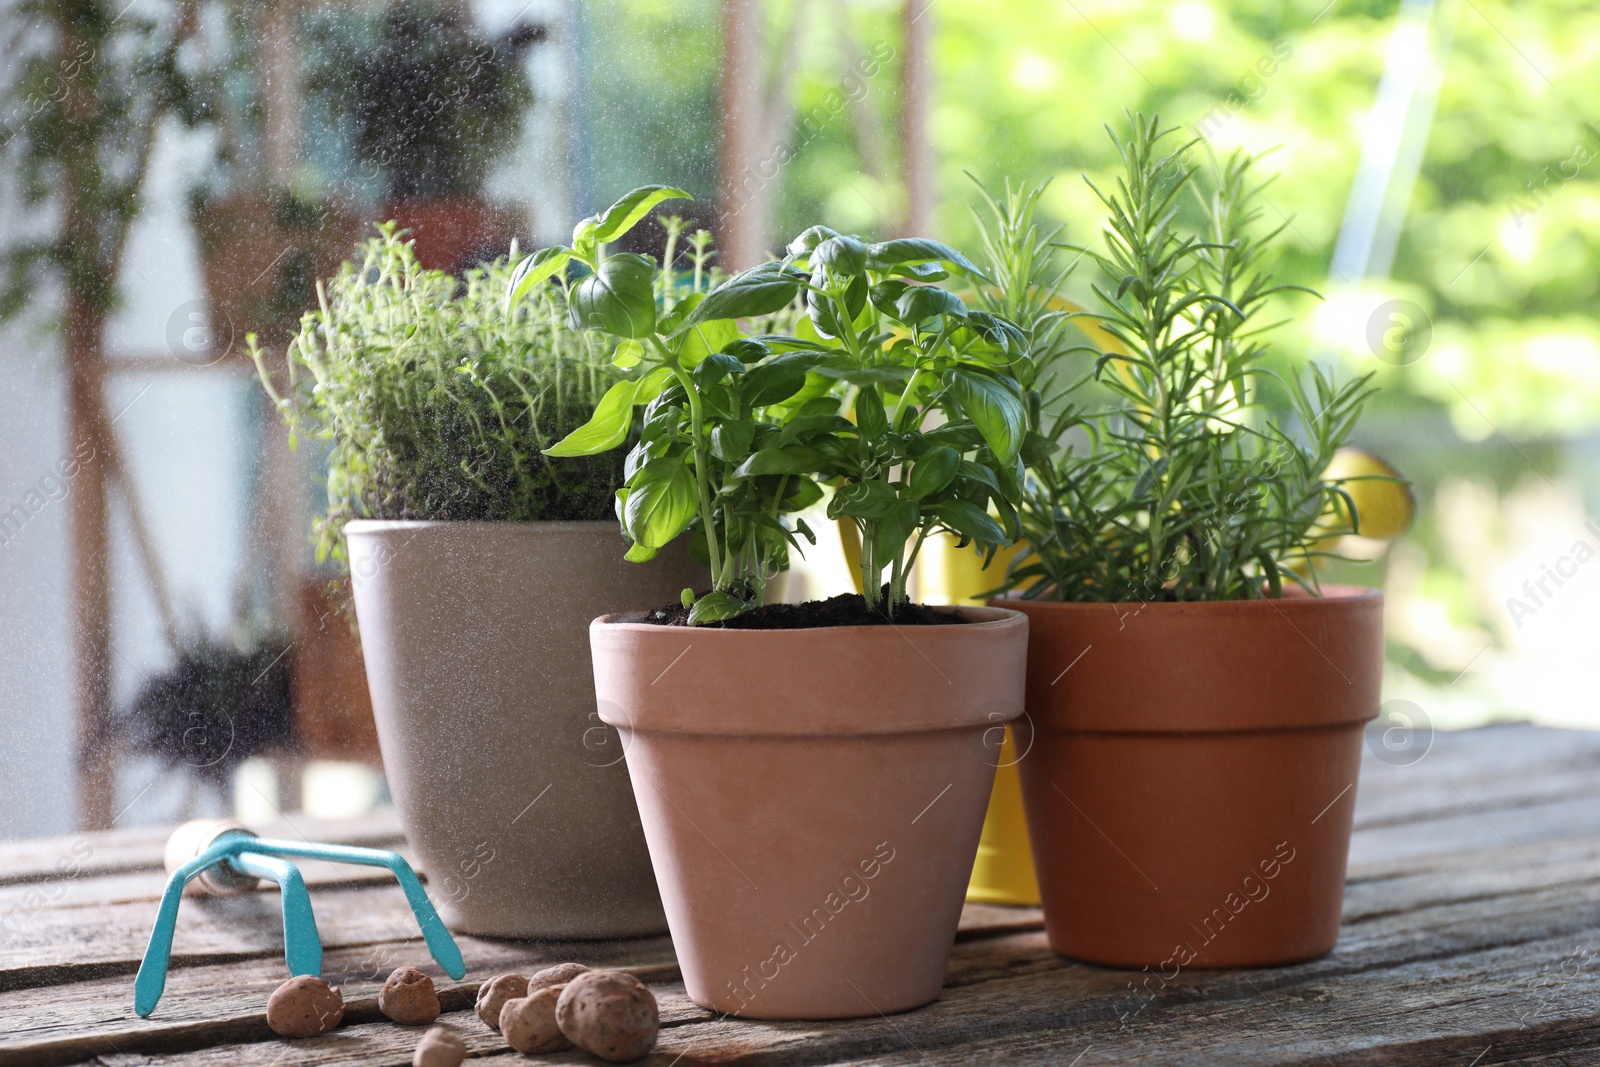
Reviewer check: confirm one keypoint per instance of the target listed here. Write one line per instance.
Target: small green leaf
(810, 239)
(923, 302)
(841, 255)
(730, 440)
(779, 378)
(933, 471)
(715, 367)
(535, 270)
(625, 214)
(628, 354)
(653, 384)
(640, 554)
(607, 427)
(703, 338)
(760, 290)
(715, 607)
(994, 409)
(686, 598)
(922, 272)
(970, 521)
(661, 502)
(794, 459)
(1003, 334)
(888, 254)
(889, 534)
(1037, 449)
(870, 416)
(863, 500)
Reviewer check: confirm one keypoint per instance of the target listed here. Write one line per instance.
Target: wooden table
(1470, 938)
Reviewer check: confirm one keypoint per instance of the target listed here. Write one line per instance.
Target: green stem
(702, 457)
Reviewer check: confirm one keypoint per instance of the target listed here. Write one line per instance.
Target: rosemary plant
(1202, 480)
(435, 402)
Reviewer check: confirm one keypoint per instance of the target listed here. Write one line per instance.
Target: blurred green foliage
(1502, 255)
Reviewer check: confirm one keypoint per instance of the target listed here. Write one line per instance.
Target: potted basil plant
(1196, 697)
(812, 777)
(476, 565)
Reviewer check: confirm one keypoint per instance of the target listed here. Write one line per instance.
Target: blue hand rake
(212, 858)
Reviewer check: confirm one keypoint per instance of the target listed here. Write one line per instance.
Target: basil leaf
(923, 302)
(889, 534)
(703, 338)
(888, 254)
(661, 502)
(715, 607)
(625, 214)
(933, 471)
(871, 419)
(730, 440)
(758, 291)
(996, 411)
(810, 239)
(715, 367)
(628, 355)
(537, 268)
(607, 427)
(841, 255)
(863, 500)
(793, 459)
(970, 521)
(618, 298)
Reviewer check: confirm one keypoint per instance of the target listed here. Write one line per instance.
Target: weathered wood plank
(1033, 1009)
(232, 994)
(1076, 995)
(1494, 1007)
(1475, 881)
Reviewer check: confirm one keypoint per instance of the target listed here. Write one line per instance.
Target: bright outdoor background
(1464, 131)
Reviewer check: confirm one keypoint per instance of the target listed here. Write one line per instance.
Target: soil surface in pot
(846, 609)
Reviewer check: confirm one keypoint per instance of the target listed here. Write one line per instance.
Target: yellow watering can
(1003, 872)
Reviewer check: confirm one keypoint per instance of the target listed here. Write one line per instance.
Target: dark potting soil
(846, 609)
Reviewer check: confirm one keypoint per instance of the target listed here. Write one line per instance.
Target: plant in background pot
(1197, 707)
(812, 777)
(476, 566)
(429, 102)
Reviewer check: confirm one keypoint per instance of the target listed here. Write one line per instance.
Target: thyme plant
(434, 402)
(1202, 480)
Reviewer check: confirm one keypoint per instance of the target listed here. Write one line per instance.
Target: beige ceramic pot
(812, 799)
(512, 792)
(1192, 774)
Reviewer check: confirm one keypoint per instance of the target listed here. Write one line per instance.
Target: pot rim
(979, 619)
(380, 526)
(1296, 597)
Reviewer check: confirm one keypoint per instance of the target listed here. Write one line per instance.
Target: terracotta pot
(455, 233)
(261, 255)
(512, 792)
(1192, 774)
(812, 799)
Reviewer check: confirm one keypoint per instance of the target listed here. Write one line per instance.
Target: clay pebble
(494, 993)
(529, 1023)
(408, 997)
(609, 1013)
(304, 1006)
(439, 1048)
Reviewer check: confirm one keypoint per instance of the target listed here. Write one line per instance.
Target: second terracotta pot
(812, 799)
(1191, 777)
